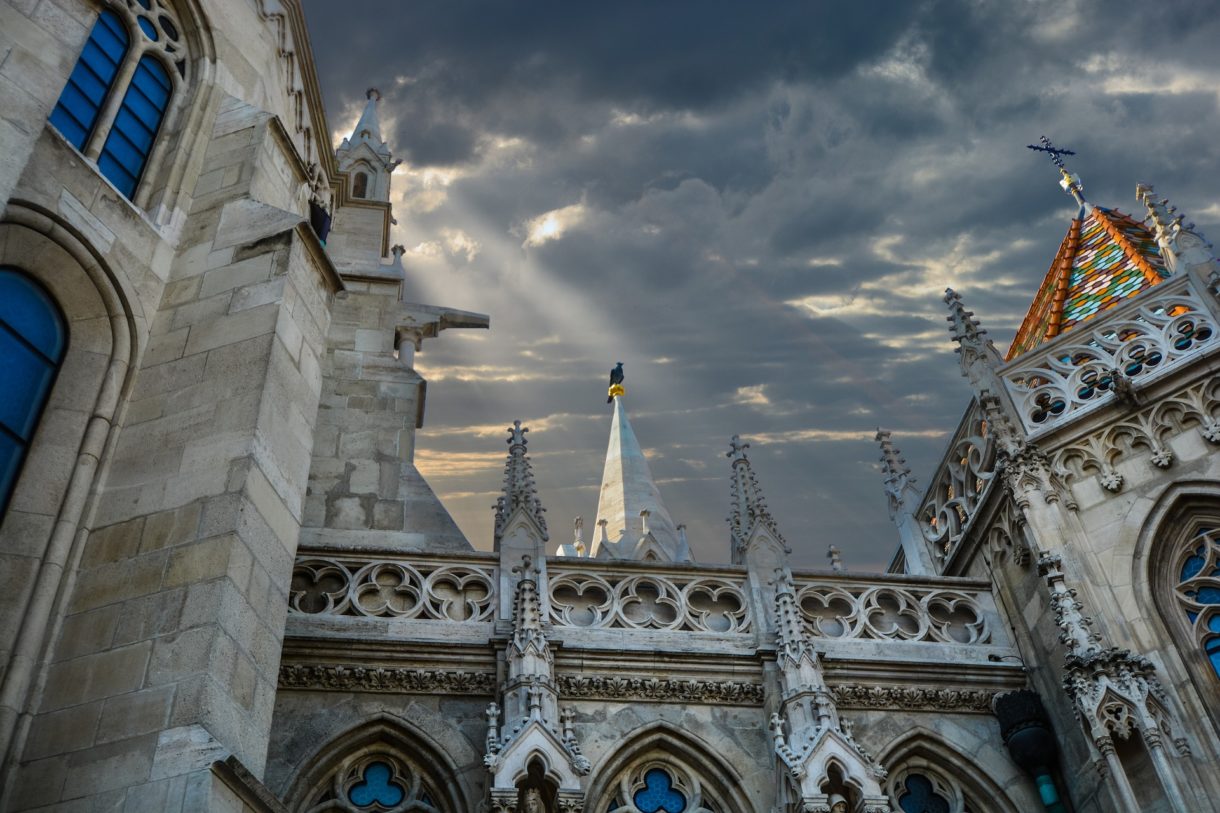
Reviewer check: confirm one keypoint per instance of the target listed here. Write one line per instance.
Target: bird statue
(616, 382)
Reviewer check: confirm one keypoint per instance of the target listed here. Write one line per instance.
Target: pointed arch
(40, 539)
(1176, 569)
(950, 773)
(413, 763)
(694, 768)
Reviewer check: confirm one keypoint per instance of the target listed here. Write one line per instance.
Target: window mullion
(114, 101)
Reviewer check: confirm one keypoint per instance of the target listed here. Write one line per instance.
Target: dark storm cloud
(757, 207)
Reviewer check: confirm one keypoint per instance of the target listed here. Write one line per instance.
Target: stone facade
(228, 588)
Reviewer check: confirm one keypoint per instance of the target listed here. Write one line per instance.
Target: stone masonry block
(110, 766)
(118, 581)
(199, 561)
(135, 713)
(96, 676)
(60, 732)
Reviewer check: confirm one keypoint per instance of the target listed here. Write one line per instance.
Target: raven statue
(616, 377)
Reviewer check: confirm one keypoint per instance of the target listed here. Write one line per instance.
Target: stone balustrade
(1134, 343)
(644, 597)
(415, 587)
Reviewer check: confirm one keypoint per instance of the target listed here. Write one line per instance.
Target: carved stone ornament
(595, 687)
(338, 677)
(858, 696)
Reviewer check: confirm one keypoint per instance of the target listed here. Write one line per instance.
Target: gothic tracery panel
(380, 781)
(656, 787)
(1135, 344)
(889, 612)
(648, 601)
(421, 588)
(921, 789)
(1198, 591)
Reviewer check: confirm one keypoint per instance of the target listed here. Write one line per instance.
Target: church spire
(627, 492)
(1105, 258)
(368, 128)
(520, 490)
(749, 507)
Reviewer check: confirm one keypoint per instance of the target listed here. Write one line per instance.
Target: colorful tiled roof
(1105, 258)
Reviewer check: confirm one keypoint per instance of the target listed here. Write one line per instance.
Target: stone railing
(711, 601)
(899, 610)
(1130, 345)
(418, 587)
(603, 595)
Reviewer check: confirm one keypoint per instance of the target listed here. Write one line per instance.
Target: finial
(520, 490)
(526, 566)
(1070, 183)
(373, 93)
(616, 389)
(578, 536)
(748, 506)
(836, 561)
(644, 514)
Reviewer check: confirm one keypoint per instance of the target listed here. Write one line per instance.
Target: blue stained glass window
(658, 794)
(32, 343)
(377, 787)
(130, 141)
(921, 797)
(75, 113)
(1192, 566)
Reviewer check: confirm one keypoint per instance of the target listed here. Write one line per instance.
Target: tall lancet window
(1198, 591)
(117, 96)
(32, 343)
(360, 185)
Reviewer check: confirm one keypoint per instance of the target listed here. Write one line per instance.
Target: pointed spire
(527, 612)
(368, 128)
(520, 491)
(749, 507)
(792, 637)
(628, 489)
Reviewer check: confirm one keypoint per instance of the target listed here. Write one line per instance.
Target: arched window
(376, 781)
(921, 790)
(117, 95)
(76, 113)
(656, 787)
(131, 138)
(360, 185)
(32, 343)
(1197, 574)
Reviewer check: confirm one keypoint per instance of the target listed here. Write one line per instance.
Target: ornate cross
(1050, 149)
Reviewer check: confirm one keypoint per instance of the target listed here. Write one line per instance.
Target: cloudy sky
(757, 208)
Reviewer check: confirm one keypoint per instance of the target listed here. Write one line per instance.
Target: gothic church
(228, 588)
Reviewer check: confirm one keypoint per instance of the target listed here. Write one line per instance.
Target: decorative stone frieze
(352, 678)
(602, 687)
(859, 696)
(1150, 429)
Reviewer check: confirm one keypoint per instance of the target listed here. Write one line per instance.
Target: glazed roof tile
(1106, 257)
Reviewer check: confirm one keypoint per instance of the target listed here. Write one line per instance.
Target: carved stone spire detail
(807, 730)
(981, 363)
(1116, 692)
(533, 723)
(1181, 245)
(520, 490)
(748, 505)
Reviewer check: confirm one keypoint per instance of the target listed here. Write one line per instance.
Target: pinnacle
(520, 490)
(749, 506)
